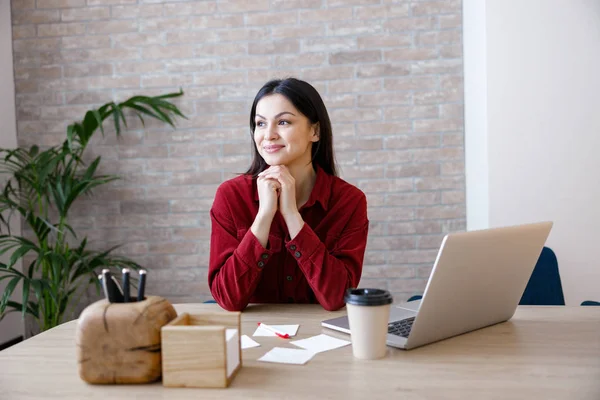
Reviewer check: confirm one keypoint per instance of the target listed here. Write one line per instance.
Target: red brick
(438, 96)
(410, 54)
(384, 40)
(412, 141)
(441, 66)
(84, 14)
(412, 256)
(274, 47)
(35, 16)
(191, 205)
(391, 214)
(37, 99)
(451, 51)
(450, 21)
(193, 8)
(168, 81)
(232, 35)
(193, 37)
(413, 199)
(312, 16)
(82, 70)
(439, 37)
(453, 168)
(439, 182)
(328, 44)
(412, 170)
(345, 28)
(59, 3)
(403, 112)
(383, 99)
(172, 219)
(381, 11)
(354, 57)
(238, 6)
(138, 11)
(139, 67)
(409, 24)
(37, 44)
(436, 7)
(144, 207)
(443, 154)
(110, 27)
(220, 78)
(195, 178)
(85, 42)
(116, 221)
(218, 21)
(384, 128)
(45, 72)
(387, 185)
(437, 125)
(453, 139)
(355, 114)
(285, 32)
(410, 83)
(384, 157)
(440, 212)
(453, 197)
(353, 86)
(22, 4)
(392, 242)
(389, 271)
(173, 248)
(166, 24)
(328, 73)
(271, 18)
(364, 172)
(372, 258)
(23, 31)
(308, 59)
(333, 101)
(64, 29)
(168, 52)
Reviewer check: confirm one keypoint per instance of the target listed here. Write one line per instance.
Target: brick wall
(390, 73)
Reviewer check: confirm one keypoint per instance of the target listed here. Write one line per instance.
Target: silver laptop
(477, 280)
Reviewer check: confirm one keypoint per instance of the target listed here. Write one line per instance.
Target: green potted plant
(41, 187)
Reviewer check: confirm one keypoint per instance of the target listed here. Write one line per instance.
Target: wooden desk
(542, 353)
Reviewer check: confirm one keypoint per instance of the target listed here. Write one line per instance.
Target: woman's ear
(316, 133)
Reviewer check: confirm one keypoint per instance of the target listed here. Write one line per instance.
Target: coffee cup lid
(368, 297)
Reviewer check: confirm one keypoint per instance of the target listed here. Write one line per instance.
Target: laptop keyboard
(401, 328)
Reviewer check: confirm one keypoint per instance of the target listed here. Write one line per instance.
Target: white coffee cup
(368, 314)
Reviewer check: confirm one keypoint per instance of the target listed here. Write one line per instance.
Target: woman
(288, 230)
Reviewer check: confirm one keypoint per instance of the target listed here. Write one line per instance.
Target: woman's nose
(271, 132)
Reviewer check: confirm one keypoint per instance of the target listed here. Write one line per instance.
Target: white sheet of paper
(287, 356)
(247, 342)
(289, 329)
(320, 343)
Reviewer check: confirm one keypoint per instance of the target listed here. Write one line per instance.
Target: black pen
(126, 293)
(141, 285)
(107, 286)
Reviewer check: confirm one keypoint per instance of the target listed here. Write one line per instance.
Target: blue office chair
(590, 303)
(544, 286)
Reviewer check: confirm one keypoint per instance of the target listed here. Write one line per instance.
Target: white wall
(12, 325)
(541, 76)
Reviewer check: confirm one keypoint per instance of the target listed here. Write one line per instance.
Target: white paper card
(247, 342)
(289, 329)
(233, 352)
(287, 356)
(320, 343)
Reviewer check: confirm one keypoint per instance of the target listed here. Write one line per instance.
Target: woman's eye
(260, 124)
(283, 122)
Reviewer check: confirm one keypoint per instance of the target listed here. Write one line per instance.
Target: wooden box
(120, 342)
(201, 350)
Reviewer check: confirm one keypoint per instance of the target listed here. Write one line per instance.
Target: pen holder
(201, 350)
(120, 342)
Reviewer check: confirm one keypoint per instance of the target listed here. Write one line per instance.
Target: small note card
(289, 329)
(287, 356)
(247, 342)
(319, 343)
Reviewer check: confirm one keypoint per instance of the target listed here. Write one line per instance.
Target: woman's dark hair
(307, 100)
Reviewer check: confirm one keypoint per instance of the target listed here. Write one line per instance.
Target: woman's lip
(272, 149)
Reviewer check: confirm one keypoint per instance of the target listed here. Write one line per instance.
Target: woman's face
(283, 135)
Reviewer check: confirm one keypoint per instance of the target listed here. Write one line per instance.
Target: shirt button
(265, 256)
(261, 264)
(293, 247)
(289, 278)
(297, 254)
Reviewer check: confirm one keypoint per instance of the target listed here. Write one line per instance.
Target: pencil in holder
(120, 342)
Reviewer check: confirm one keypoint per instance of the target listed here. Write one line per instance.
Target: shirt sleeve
(235, 265)
(330, 272)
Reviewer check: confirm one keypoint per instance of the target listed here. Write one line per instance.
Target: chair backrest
(544, 287)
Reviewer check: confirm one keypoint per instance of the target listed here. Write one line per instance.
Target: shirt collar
(320, 193)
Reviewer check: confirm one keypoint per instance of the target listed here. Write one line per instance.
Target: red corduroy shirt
(318, 265)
